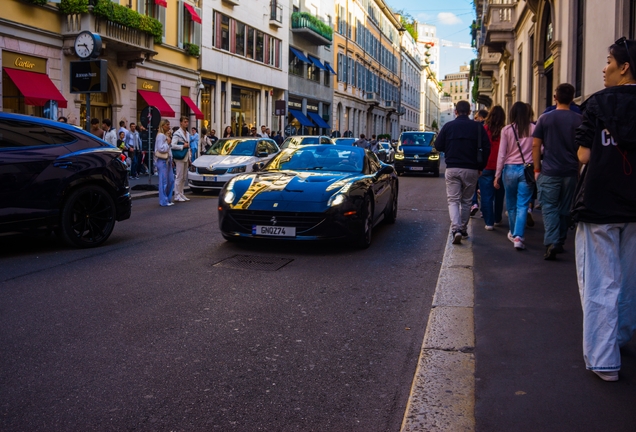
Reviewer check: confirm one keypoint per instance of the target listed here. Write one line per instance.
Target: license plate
(209, 179)
(416, 168)
(274, 231)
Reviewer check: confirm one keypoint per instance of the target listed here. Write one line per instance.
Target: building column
(218, 119)
(228, 102)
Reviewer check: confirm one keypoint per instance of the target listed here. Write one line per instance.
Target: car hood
(288, 190)
(418, 150)
(225, 161)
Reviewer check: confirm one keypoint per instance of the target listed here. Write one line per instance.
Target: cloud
(424, 17)
(448, 18)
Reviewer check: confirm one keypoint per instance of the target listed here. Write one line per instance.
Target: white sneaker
(607, 376)
(489, 228)
(510, 237)
(519, 244)
(186, 198)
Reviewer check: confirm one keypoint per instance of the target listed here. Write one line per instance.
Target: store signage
(89, 76)
(297, 105)
(148, 85)
(279, 107)
(313, 108)
(236, 104)
(24, 62)
(549, 62)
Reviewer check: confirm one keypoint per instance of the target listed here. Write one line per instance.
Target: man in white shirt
(264, 133)
(110, 135)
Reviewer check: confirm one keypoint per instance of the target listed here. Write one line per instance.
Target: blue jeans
(166, 181)
(606, 270)
(491, 199)
(555, 196)
(134, 163)
(193, 152)
(518, 195)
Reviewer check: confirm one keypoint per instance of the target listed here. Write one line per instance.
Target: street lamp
(200, 87)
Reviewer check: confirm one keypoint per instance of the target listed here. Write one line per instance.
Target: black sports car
(55, 176)
(313, 192)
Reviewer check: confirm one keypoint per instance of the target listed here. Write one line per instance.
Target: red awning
(156, 100)
(36, 88)
(193, 13)
(195, 109)
(163, 3)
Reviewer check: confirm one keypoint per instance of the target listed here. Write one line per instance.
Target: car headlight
(399, 156)
(336, 199)
(229, 197)
(433, 157)
(236, 170)
(192, 169)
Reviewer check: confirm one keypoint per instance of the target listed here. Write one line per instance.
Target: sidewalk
(140, 188)
(529, 368)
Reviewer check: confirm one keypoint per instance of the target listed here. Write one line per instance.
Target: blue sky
(452, 18)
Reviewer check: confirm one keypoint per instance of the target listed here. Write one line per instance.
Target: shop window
(189, 31)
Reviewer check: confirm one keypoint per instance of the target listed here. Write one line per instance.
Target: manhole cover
(251, 262)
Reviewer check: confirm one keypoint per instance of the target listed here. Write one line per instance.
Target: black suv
(416, 153)
(57, 177)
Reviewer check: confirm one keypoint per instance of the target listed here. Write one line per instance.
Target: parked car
(56, 177)
(385, 152)
(313, 192)
(303, 140)
(344, 141)
(227, 158)
(416, 153)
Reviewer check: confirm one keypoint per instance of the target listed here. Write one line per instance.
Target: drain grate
(250, 262)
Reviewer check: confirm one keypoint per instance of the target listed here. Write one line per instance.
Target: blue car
(416, 153)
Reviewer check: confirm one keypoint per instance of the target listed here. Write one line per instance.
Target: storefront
(308, 121)
(26, 87)
(148, 94)
(243, 116)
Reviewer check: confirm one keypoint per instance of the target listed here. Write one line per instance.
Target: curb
(443, 391)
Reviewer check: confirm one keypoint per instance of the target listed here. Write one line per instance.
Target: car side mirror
(262, 154)
(258, 166)
(386, 169)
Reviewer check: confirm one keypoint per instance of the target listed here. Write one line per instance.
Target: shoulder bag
(528, 168)
(180, 154)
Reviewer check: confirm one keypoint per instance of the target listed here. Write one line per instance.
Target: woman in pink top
(510, 164)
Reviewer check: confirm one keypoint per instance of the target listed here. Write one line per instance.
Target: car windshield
(344, 141)
(233, 147)
(299, 141)
(323, 158)
(417, 139)
(385, 145)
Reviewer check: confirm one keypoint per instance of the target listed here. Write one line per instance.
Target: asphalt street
(169, 327)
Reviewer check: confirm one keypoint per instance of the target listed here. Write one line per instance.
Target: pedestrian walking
(605, 208)
(492, 199)
(480, 117)
(110, 134)
(460, 140)
(194, 143)
(180, 147)
(133, 143)
(557, 173)
(163, 163)
(515, 148)
(362, 142)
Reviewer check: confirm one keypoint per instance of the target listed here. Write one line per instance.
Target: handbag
(180, 154)
(162, 155)
(528, 168)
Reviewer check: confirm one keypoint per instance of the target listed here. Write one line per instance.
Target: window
(16, 133)
(260, 46)
(189, 31)
(296, 67)
(249, 51)
(149, 8)
(224, 29)
(313, 72)
(239, 42)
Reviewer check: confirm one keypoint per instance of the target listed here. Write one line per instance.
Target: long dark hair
(496, 120)
(520, 116)
(622, 56)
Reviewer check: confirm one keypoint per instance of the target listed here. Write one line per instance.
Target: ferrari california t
(314, 192)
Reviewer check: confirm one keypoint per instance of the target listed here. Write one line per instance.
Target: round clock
(88, 44)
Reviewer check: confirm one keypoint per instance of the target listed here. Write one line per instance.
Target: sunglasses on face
(623, 41)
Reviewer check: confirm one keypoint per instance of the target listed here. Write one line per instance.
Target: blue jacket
(458, 141)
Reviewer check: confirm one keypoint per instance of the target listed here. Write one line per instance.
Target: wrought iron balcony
(275, 14)
(311, 28)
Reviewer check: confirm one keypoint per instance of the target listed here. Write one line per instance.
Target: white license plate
(209, 179)
(416, 168)
(274, 231)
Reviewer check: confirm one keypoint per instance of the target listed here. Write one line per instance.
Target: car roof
(44, 122)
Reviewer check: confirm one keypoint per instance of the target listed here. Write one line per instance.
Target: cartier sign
(148, 85)
(23, 62)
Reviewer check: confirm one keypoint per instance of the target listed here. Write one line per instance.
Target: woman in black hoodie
(605, 208)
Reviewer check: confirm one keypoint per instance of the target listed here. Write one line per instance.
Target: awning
(36, 88)
(330, 69)
(155, 99)
(300, 55)
(315, 61)
(319, 120)
(302, 119)
(162, 3)
(195, 16)
(195, 109)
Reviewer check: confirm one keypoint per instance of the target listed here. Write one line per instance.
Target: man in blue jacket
(460, 140)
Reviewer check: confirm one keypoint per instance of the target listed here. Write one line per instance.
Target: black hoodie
(607, 192)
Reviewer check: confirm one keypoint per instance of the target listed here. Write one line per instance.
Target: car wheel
(88, 217)
(196, 191)
(390, 215)
(364, 241)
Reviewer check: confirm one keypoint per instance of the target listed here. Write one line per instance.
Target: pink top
(508, 150)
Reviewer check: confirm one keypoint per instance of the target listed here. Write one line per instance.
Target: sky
(452, 18)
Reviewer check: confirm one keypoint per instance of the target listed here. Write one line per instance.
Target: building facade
(430, 97)
(411, 82)
(367, 55)
(143, 69)
(527, 48)
(457, 85)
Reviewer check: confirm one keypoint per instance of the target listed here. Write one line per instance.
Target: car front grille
(215, 171)
(301, 221)
(207, 184)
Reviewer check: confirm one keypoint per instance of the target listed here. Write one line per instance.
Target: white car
(227, 158)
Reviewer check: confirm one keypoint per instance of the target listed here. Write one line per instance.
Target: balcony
(373, 98)
(275, 14)
(232, 2)
(131, 45)
(401, 111)
(311, 28)
(501, 19)
(390, 105)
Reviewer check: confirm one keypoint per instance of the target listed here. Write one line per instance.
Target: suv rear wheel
(88, 217)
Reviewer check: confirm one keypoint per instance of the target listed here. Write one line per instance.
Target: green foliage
(384, 136)
(301, 19)
(408, 22)
(128, 17)
(434, 125)
(38, 2)
(70, 7)
(192, 49)
(475, 93)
